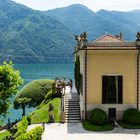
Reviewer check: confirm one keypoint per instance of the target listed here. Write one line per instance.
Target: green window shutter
(104, 89)
(120, 89)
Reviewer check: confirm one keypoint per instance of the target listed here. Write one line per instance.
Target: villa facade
(109, 75)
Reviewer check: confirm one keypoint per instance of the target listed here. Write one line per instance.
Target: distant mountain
(27, 35)
(79, 18)
(129, 20)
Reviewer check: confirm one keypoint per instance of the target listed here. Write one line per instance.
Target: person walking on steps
(70, 84)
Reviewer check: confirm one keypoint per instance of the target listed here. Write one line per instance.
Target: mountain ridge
(32, 36)
(95, 24)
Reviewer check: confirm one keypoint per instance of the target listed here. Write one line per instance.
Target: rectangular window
(112, 89)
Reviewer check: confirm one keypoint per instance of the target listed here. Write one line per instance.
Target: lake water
(31, 72)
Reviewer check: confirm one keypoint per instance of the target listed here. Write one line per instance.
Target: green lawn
(4, 134)
(42, 115)
(90, 127)
(129, 126)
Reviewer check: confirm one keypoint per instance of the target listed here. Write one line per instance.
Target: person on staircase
(70, 85)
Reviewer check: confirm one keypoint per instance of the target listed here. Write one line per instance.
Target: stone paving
(75, 131)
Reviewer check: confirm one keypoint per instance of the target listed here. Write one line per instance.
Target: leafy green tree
(10, 80)
(22, 103)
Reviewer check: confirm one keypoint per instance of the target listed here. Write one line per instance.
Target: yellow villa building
(109, 74)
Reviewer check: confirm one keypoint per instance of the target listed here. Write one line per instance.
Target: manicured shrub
(36, 90)
(51, 95)
(21, 127)
(131, 116)
(98, 116)
(34, 134)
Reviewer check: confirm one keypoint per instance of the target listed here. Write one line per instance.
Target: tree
(21, 103)
(77, 73)
(32, 94)
(10, 80)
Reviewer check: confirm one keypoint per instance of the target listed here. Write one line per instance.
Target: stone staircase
(72, 109)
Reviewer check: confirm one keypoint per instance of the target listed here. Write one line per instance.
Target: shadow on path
(76, 128)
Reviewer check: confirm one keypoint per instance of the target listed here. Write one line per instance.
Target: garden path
(75, 131)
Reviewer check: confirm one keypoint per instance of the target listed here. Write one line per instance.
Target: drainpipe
(138, 78)
(86, 84)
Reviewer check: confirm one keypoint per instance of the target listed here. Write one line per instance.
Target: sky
(95, 5)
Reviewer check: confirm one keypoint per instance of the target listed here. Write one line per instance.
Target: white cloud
(95, 5)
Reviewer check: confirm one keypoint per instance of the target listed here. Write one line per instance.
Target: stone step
(71, 106)
(72, 101)
(73, 113)
(73, 116)
(74, 98)
(72, 109)
(71, 96)
(68, 119)
(67, 94)
(75, 103)
(68, 97)
(73, 121)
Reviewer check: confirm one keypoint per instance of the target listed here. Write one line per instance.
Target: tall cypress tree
(77, 74)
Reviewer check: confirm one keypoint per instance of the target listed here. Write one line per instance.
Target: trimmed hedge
(98, 117)
(34, 134)
(36, 90)
(48, 96)
(51, 95)
(21, 127)
(131, 116)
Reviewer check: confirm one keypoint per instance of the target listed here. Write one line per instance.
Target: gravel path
(30, 127)
(74, 131)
